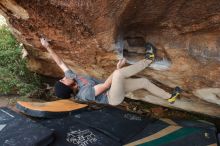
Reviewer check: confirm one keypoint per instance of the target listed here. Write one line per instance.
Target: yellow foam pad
(53, 106)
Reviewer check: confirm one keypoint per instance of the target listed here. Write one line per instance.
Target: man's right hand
(55, 57)
(44, 42)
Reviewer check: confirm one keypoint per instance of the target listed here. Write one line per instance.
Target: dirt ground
(8, 101)
(11, 100)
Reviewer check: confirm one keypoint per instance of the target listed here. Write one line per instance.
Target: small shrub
(14, 75)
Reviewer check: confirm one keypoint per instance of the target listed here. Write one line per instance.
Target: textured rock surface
(90, 35)
(2, 21)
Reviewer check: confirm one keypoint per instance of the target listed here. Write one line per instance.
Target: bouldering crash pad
(112, 126)
(18, 130)
(49, 109)
(170, 132)
(103, 127)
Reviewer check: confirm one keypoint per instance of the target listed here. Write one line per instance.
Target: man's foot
(176, 92)
(150, 51)
(150, 56)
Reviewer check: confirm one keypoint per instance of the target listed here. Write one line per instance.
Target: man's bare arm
(99, 88)
(55, 57)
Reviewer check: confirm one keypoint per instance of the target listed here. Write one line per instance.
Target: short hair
(62, 91)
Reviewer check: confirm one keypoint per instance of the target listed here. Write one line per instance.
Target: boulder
(92, 35)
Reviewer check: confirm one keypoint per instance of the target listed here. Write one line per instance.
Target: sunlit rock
(92, 35)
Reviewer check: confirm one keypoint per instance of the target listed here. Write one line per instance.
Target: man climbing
(113, 90)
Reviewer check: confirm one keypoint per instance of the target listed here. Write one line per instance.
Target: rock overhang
(90, 35)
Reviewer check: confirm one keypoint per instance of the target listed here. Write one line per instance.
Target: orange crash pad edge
(53, 106)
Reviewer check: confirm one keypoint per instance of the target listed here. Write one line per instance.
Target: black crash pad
(113, 127)
(104, 127)
(71, 133)
(119, 124)
(218, 138)
(164, 134)
(17, 130)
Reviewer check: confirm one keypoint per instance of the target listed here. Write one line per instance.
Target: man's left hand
(121, 63)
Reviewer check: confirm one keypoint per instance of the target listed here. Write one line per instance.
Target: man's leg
(143, 83)
(131, 70)
(117, 92)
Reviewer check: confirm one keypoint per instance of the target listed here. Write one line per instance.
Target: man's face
(69, 82)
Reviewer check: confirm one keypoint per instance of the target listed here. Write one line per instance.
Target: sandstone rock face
(91, 35)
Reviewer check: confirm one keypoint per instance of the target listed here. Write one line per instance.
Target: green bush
(14, 75)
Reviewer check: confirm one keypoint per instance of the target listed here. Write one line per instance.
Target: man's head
(65, 87)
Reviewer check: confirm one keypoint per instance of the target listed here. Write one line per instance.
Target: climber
(113, 90)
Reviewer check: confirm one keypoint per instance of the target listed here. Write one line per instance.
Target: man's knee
(115, 102)
(117, 73)
(145, 81)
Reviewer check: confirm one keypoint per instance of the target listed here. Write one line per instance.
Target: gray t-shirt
(86, 88)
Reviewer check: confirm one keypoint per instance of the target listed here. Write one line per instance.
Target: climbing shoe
(150, 56)
(150, 51)
(176, 92)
